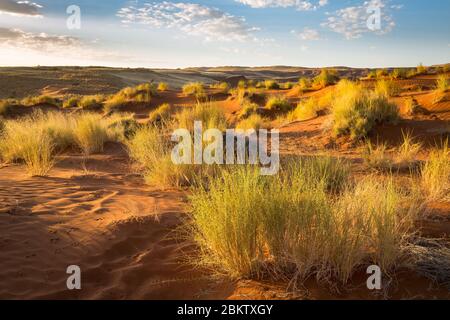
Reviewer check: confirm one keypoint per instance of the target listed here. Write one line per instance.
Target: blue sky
(169, 34)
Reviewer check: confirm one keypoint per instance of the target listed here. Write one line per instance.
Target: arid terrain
(108, 212)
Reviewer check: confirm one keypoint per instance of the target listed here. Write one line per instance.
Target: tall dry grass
(247, 225)
(209, 113)
(435, 178)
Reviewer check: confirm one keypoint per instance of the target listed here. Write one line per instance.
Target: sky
(200, 33)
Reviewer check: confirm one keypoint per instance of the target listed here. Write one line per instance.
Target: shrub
(247, 225)
(442, 83)
(387, 88)
(142, 93)
(325, 78)
(305, 110)
(278, 103)
(411, 106)
(163, 86)
(356, 110)
(195, 89)
(208, 113)
(436, 174)
(161, 115)
(255, 121)
(271, 85)
(304, 83)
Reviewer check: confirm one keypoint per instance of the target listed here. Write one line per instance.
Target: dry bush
(91, 103)
(247, 109)
(71, 102)
(442, 85)
(326, 78)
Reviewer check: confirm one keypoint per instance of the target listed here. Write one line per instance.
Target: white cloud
(301, 5)
(352, 21)
(191, 19)
(52, 45)
(307, 34)
(20, 8)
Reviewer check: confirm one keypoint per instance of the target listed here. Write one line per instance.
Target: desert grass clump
(90, 133)
(161, 115)
(408, 150)
(91, 103)
(255, 121)
(356, 110)
(271, 85)
(248, 108)
(163, 86)
(223, 87)
(150, 148)
(71, 102)
(376, 157)
(38, 153)
(278, 103)
(387, 88)
(195, 89)
(326, 78)
(39, 100)
(435, 176)
(442, 85)
(289, 226)
(142, 93)
(305, 110)
(211, 116)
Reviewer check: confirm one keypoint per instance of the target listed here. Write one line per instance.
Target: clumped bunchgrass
(90, 133)
(195, 89)
(435, 176)
(387, 88)
(222, 86)
(161, 115)
(38, 153)
(209, 113)
(376, 156)
(356, 110)
(163, 86)
(442, 85)
(248, 225)
(254, 121)
(71, 102)
(278, 103)
(271, 85)
(142, 93)
(248, 108)
(326, 78)
(150, 148)
(408, 150)
(305, 110)
(92, 102)
(39, 100)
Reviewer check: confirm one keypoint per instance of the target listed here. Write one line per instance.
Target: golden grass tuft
(278, 103)
(387, 88)
(195, 89)
(209, 113)
(435, 177)
(248, 225)
(255, 121)
(161, 115)
(163, 86)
